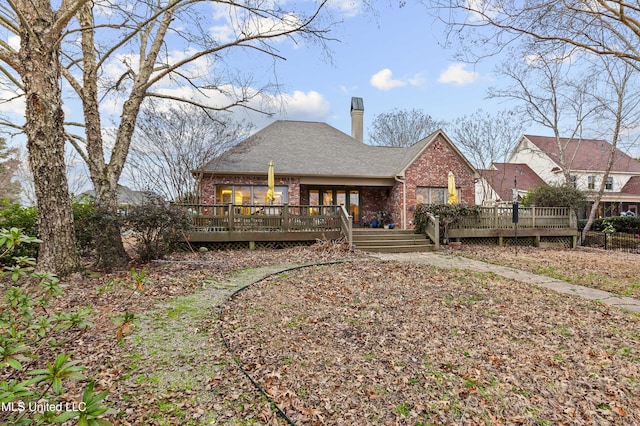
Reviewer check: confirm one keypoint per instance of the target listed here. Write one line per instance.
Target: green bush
(33, 374)
(84, 223)
(565, 195)
(26, 220)
(626, 224)
(156, 226)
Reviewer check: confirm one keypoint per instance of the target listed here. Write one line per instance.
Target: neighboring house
(127, 197)
(316, 164)
(497, 183)
(586, 160)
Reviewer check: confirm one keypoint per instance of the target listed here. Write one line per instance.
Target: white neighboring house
(586, 160)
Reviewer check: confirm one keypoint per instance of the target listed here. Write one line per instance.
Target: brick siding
(432, 169)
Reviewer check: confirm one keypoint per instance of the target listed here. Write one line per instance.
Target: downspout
(404, 200)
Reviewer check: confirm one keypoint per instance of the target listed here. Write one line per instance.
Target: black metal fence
(617, 241)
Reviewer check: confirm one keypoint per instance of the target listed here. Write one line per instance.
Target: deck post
(231, 218)
(285, 217)
(533, 217)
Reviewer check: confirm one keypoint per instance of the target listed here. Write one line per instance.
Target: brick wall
(432, 169)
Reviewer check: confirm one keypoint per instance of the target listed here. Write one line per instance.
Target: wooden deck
(265, 223)
(235, 223)
(539, 223)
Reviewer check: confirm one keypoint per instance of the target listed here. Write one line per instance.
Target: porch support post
(231, 218)
(285, 217)
(404, 201)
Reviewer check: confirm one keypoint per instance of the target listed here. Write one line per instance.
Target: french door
(341, 196)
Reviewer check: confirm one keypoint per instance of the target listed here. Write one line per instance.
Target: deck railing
(433, 229)
(346, 224)
(501, 217)
(269, 218)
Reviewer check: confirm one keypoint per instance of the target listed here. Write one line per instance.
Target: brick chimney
(357, 113)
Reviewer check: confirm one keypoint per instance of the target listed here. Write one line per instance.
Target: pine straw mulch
(394, 343)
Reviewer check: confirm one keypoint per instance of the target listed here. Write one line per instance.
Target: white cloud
(482, 10)
(456, 73)
(348, 8)
(13, 103)
(14, 42)
(417, 80)
(308, 106)
(383, 80)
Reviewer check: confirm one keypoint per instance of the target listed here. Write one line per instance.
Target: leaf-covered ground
(367, 342)
(616, 272)
(396, 343)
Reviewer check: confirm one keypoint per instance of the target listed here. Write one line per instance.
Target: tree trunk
(108, 239)
(39, 58)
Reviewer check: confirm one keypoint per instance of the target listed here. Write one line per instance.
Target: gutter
(402, 180)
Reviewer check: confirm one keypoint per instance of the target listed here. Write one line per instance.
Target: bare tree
(170, 143)
(619, 115)
(24, 176)
(487, 138)
(117, 54)
(401, 128)
(550, 95)
(602, 27)
(137, 38)
(9, 164)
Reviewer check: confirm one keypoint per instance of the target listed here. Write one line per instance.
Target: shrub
(26, 220)
(32, 374)
(447, 214)
(565, 195)
(156, 226)
(626, 224)
(84, 223)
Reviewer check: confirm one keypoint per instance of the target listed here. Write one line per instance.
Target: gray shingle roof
(303, 148)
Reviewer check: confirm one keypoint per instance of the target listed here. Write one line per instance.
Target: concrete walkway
(444, 260)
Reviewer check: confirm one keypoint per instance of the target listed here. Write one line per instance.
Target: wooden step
(390, 241)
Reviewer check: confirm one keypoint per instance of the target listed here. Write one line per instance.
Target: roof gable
(584, 154)
(417, 149)
(632, 186)
(501, 178)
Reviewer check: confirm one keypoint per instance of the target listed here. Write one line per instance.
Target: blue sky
(392, 60)
(391, 57)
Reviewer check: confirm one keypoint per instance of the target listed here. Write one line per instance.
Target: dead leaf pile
(393, 343)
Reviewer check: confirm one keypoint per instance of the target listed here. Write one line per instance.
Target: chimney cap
(357, 104)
